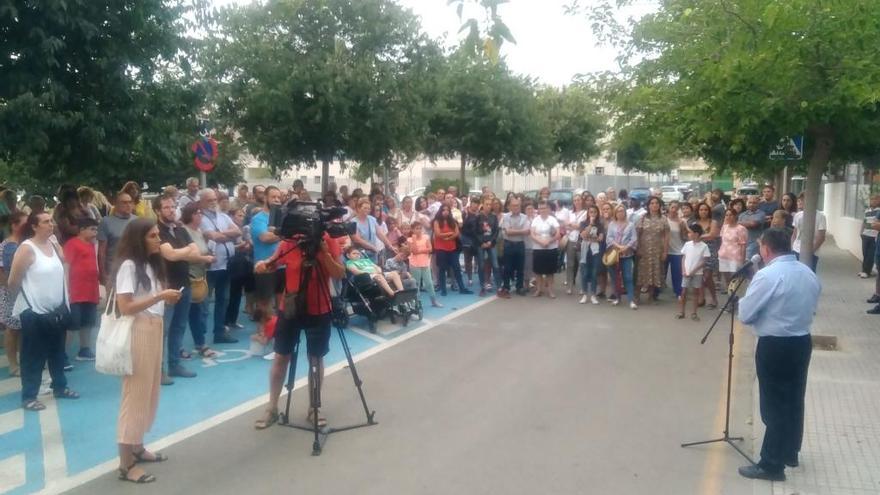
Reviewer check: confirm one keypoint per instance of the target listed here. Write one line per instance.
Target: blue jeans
(198, 322)
(590, 272)
(489, 261)
(514, 263)
(751, 249)
(175, 326)
(218, 282)
(673, 263)
(625, 266)
(447, 260)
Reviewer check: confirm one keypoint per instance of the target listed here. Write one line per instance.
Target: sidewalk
(841, 448)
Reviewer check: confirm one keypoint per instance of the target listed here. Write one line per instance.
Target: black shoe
(792, 462)
(874, 311)
(758, 473)
(181, 372)
(874, 299)
(521, 292)
(464, 291)
(225, 339)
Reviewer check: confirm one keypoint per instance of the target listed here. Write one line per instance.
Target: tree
(574, 124)
(727, 80)
(487, 117)
(95, 92)
(311, 81)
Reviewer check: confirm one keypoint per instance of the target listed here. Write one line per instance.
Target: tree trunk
(325, 176)
(823, 137)
(550, 177)
(462, 175)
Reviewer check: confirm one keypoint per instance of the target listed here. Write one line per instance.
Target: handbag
(611, 257)
(199, 289)
(113, 348)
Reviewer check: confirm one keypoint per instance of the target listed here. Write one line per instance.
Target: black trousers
(782, 364)
(868, 253)
(41, 343)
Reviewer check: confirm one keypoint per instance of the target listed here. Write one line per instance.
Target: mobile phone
(181, 288)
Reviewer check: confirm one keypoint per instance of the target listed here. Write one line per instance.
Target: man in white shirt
(818, 238)
(635, 212)
(222, 232)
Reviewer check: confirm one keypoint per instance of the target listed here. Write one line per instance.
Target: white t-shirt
(821, 224)
(574, 233)
(693, 253)
(545, 230)
(126, 283)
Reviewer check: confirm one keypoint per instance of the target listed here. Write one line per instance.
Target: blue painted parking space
(73, 436)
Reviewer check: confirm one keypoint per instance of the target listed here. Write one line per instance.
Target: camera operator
(315, 319)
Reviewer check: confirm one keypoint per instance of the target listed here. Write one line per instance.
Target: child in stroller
(370, 293)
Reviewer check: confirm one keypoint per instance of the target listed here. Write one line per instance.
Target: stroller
(368, 300)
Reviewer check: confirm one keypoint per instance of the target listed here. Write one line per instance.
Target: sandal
(712, 305)
(157, 457)
(695, 317)
(33, 405)
(14, 372)
(66, 394)
(185, 355)
(270, 418)
(322, 422)
(144, 478)
(206, 352)
(679, 316)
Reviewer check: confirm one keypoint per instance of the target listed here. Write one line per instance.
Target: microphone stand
(730, 306)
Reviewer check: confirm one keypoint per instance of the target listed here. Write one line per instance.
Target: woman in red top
(445, 248)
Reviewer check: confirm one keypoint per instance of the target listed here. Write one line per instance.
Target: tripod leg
(314, 402)
(291, 377)
(355, 376)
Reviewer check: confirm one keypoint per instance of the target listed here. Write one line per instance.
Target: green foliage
(96, 93)
(445, 184)
(487, 115)
(574, 123)
(726, 80)
(309, 81)
(486, 36)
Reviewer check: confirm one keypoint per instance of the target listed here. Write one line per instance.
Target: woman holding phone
(140, 285)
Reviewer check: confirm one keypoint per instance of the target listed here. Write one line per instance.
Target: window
(317, 179)
(600, 170)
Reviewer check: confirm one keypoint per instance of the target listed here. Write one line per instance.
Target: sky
(550, 46)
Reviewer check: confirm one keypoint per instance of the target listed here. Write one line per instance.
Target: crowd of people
(196, 258)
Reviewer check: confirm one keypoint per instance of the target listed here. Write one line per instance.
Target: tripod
(340, 320)
(730, 306)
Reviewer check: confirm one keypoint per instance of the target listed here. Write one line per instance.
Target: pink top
(423, 259)
(733, 243)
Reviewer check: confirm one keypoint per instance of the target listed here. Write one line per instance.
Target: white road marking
(12, 472)
(10, 385)
(11, 421)
(58, 486)
(368, 335)
(54, 457)
(244, 355)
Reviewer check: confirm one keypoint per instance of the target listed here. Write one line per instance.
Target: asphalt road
(515, 397)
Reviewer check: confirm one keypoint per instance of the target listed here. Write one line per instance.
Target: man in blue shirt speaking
(779, 305)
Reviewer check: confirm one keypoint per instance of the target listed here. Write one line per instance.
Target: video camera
(306, 222)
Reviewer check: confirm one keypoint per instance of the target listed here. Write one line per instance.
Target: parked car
(748, 190)
(640, 193)
(562, 197)
(686, 190)
(671, 193)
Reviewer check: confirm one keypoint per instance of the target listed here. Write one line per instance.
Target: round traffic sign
(206, 153)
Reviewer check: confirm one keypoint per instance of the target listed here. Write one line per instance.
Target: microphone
(756, 259)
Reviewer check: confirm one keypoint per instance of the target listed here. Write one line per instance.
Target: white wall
(846, 230)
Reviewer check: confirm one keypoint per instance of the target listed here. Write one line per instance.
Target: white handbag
(113, 349)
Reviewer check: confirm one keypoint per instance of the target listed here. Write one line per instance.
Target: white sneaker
(568, 291)
(593, 299)
(633, 305)
(615, 302)
(584, 300)
(863, 275)
(269, 357)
